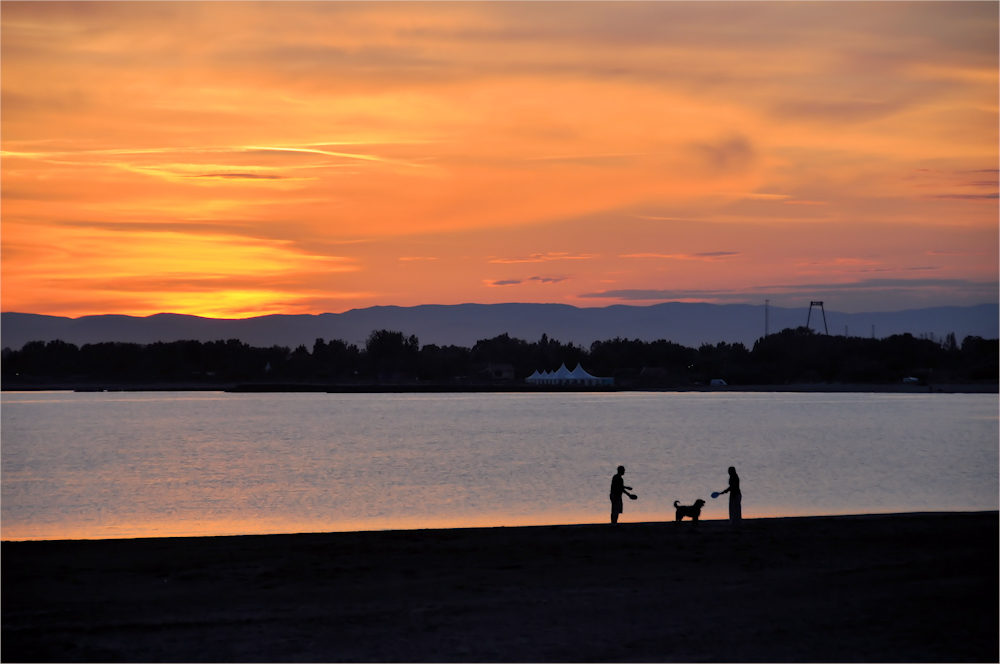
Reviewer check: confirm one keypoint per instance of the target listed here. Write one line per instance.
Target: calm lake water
(110, 465)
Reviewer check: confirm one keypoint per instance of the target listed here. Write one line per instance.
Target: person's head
(732, 470)
(621, 470)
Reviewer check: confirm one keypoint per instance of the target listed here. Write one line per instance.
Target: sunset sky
(237, 159)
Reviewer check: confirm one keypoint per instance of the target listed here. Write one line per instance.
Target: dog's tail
(677, 503)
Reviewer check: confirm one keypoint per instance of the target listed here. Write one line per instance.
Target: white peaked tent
(581, 374)
(564, 376)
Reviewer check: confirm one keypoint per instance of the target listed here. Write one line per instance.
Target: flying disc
(715, 494)
(633, 496)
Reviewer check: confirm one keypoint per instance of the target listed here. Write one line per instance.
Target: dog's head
(698, 503)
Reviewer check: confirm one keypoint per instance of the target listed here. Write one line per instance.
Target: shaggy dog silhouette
(693, 511)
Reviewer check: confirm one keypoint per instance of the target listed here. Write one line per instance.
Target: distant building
(564, 376)
(499, 371)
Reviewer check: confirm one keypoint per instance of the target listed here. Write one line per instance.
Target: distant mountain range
(464, 324)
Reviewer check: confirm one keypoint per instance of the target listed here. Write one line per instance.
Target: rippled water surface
(101, 465)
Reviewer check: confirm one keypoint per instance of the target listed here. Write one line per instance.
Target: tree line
(790, 356)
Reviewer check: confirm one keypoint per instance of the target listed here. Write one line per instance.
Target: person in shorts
(617, 489)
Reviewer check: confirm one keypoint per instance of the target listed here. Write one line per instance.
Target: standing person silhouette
(617, 489)
(735, 498)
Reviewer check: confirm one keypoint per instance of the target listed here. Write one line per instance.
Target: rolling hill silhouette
(688, 324)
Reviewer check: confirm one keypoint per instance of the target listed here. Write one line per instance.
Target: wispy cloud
(239, 176)
(923, 268)
(651, 295)
(728, 154)
(759, 196)
(542, 258)
(968, 197)
(840, 112)
(815, 290)
(316, 151)
(514, 282)
(587, 159)
(706, 256)
(839, 262)
(870, 284)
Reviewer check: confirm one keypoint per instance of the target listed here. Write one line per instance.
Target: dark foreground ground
(884, 588)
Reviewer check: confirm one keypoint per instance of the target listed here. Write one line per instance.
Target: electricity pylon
(809, 316)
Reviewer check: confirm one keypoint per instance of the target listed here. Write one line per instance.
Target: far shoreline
(516, 388)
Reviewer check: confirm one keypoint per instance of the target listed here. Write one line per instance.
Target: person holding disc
(617, 489)
(735, 499)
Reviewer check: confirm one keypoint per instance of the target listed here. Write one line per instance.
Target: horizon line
(499, 304)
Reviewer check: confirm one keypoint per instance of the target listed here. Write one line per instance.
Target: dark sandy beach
(881, 588)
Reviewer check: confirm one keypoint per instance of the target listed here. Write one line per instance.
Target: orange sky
(237, 159)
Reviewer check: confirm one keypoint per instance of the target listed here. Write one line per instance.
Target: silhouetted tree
(791, 355)
(443, 363)
(335, 359)
(388, 352)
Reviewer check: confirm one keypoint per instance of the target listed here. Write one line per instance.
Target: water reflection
(166, 464)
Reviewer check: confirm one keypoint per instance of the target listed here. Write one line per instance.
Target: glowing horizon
(240, 159)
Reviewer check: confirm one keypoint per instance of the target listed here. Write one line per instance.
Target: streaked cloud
(882, 284)
(662, 295)
(904, 290)
(756, 196)
(239, 176)
(706, 256)
(840, 262)
(514, 282)
(542, 258)
(922, 268)
(969, 197)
